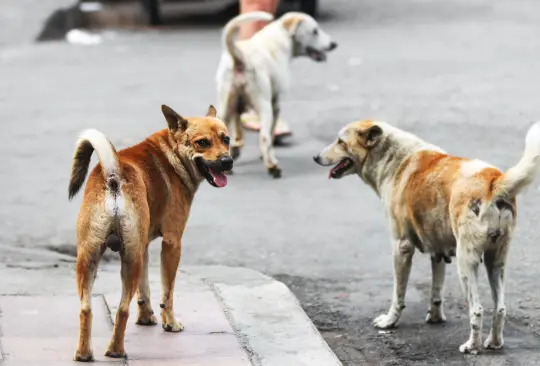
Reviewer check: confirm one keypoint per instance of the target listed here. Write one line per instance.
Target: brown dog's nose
(317, 159)
(226, 163)
(333, 46)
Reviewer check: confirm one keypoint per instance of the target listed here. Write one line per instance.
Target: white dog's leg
(228, 99)
(263, 106)
(403, 252)
(435, 313)
(468, 262)
(266, 140)
(275, 113)
(261, 99)
(223, 110)
(495, 270)
(238, 136)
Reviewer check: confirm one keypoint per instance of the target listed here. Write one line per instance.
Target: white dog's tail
(231, 29)
(89, 141)
(521, 175)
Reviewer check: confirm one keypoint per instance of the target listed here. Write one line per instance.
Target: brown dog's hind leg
(170, 258)
(145, 314)
(132, 263)
(88, 256)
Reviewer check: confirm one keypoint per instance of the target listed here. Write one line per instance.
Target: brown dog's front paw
(116, 354)
(115, 351)
(176, 326)
(275, 172)
(152, 320)
(87, 356)
(145, 314)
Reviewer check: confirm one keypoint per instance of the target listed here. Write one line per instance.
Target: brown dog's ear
(371, 135)
(211, 111)
(174, 120)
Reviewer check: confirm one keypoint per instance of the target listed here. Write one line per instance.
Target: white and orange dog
(441, 205)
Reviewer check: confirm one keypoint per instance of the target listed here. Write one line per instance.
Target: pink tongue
(334, 169)
(220, 179)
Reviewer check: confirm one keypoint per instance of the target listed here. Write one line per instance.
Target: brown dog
(134, 196)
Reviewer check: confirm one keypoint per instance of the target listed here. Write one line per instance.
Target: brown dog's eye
(203, 142)
(226, 140)
(340, 142)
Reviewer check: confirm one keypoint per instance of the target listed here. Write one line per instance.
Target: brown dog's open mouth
(315, 54)
(213, 175)
(337, 171)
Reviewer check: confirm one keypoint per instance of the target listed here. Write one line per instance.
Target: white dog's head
(307, 36)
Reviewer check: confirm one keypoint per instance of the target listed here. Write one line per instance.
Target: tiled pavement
(41, 330)
(232, 316)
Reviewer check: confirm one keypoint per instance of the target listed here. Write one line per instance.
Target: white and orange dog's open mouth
(343, 166)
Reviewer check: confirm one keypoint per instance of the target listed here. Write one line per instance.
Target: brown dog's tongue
(220, 179)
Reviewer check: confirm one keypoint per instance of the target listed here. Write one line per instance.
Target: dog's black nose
(226, 163)
(333, 46)
(317, 159)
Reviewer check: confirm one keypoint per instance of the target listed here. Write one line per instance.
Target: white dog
(255, 72)
(441, 205)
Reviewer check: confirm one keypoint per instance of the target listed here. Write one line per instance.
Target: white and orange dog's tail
(526, 170)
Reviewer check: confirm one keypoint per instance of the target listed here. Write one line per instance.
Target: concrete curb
(267, 317)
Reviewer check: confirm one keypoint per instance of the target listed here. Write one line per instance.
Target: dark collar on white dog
(296, 46)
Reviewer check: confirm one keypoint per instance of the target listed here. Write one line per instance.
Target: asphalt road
(462, 74)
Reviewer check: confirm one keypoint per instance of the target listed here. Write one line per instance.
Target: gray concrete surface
(232, 316)
(462, 74)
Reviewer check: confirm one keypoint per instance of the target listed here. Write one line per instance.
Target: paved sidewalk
(232, 317)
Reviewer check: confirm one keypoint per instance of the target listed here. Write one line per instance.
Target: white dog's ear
(291, 22)
(371, 135)
(174, 120)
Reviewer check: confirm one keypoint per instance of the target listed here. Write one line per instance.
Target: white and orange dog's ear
(370, 136)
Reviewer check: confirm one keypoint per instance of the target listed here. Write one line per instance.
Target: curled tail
(517, 178)
(499, 211)
(231, 29)
(89, 141)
